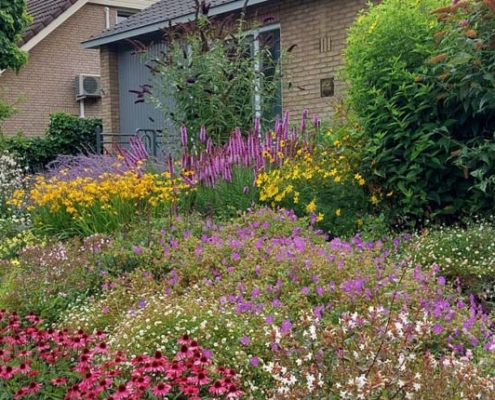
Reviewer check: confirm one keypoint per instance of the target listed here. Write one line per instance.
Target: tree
(13, 21)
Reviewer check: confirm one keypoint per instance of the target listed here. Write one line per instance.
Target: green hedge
(421, 79)
(66, 134)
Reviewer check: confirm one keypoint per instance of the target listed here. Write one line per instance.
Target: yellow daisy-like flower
(319, 217)
(374, 200)
(311, 207)
(337, 212)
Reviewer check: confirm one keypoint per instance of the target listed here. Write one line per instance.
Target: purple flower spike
(183, 136)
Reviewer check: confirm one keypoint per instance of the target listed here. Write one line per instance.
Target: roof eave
(38, 37)
(143, 30)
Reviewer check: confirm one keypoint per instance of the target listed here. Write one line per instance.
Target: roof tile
(43, 13)
(162, 11)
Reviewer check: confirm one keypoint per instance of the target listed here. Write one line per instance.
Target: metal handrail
(147, 136)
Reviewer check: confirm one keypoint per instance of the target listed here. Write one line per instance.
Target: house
(53, 41)
(317, 28)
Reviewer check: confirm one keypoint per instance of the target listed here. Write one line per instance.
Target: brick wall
(46, 83)
(110, 88)
(318, 28)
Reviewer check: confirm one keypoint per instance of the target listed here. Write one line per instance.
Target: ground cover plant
(293, 314)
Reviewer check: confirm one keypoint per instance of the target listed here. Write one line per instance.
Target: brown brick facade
(110, 89)
(46, 83)
(318, 28)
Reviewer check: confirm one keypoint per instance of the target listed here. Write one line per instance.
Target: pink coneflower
(200, 378)
(6, 372)
(23, 368)
(185, 339)
(189, 390)
(104, 383)
(122, 392)
(23, 353)
(58, 381)
(141, 382)
(73, 392)
(4, 354)
(161, 389)
(140, 359)
(20, 393)
(156, 366)
(184, 352)
(175, 370)
(193, 345)
(218, 388)
(101, 348)
(77, 342)
(233, 392)
(203, 360)
(33, 387)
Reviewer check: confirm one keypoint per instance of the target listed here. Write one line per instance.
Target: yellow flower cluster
(11, 245)
(105, 193)
(279, 183)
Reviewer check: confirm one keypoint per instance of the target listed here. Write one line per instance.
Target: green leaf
(460, 59)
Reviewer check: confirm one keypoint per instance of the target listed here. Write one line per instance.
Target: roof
(159, 16)
(43, 13)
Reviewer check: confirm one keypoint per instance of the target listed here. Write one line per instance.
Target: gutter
(157, 26)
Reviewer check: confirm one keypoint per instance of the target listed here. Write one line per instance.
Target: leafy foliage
(406, 152)
(463, 74)
(66, 134)
(213, 74)
(13, 20)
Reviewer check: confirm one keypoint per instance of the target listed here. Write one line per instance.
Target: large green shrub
(463, 73)
(406, 153)
(66, 134)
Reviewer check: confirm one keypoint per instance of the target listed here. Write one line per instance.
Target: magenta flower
(162, 389)
(245, 340)
(437, 329)
(286, 326)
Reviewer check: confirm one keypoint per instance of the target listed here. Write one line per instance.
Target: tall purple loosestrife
(255, 150)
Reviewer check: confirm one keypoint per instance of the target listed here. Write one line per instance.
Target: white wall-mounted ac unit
(88, 86)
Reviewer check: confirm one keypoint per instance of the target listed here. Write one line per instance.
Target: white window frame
(255, 32)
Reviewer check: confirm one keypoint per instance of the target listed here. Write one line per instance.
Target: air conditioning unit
(88, 86)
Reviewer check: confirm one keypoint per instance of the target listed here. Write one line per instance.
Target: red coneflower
(184, 352)
(218, 388)
(122, 392)
(33, 387)
(59, 381)
(161, 389)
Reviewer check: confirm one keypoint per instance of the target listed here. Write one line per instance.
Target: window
(268, 39)
(123, 16)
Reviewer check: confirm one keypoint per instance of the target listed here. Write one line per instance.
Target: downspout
(81, 108)
(107, 17)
